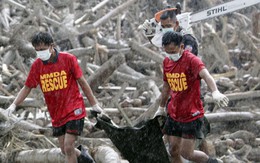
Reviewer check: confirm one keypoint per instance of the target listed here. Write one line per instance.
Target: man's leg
(188, 152)
(70, 152)
(174, 148)
(61, 143)
(203, 146)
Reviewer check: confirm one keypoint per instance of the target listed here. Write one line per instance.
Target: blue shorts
(74, 127)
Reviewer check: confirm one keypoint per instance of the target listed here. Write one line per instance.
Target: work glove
(161, 111)
(97, 108)
(220, 99)
(97, 111)
(10, 109)
(149, 27)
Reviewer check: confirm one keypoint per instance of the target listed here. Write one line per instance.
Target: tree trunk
(105, 71)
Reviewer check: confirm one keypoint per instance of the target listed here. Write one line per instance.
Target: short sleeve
(32, 80)
(164, 63)
(76, 69)
(197, 65)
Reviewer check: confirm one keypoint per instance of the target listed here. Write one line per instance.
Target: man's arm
(87, 90)
(24, 92)
(204, 74)
(218, 97)
(165, 94)
(161, 111)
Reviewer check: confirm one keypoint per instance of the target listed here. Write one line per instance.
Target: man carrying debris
(168, 22)
(182, 74)
(58, 74)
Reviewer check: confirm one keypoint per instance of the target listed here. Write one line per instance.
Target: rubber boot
(84, 156)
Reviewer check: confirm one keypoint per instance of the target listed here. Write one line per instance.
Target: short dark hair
(172, 37)
(188, 39)
(42, 38)
(169, 14)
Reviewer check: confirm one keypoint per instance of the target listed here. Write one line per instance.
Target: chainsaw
(187, 19)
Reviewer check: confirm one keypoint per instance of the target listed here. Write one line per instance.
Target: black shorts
(188, 130)
(74, 127)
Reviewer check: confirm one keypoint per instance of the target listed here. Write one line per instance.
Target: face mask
(44, 55)
(175, 56)
(164, 30)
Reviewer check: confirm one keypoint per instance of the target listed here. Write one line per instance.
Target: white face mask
(175, 56)
(164, 30)
(44, 55)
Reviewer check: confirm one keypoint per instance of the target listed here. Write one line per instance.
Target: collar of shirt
(54, 60)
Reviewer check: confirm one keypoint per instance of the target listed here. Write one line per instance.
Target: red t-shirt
(58, 82)
(184, 80)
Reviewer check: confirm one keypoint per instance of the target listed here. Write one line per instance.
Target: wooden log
(123, 77)
(20, 123)
(118, 76)
(18, 5)
(112, 44)
(107, 17)
(256, 23)
(214, 57)
(106, 154)
(25, 49)
(4, 90)
(148, 114)
(115, 99)
(80, 52)
(22, 7)
(52, 155)
(121, 50)
(232, 116)
(105, 71)
(236, 96)
(93, 9)
(9, 58)
(28, 102)
(229, 74)
(128, 121)
(94, 142)
(245, 39)
(4, 41)
(146, 52)
(5, 14)
(141, 65)
(116, 88)
(118, 27)
(124, 68)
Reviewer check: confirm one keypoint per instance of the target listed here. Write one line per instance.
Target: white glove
(220, 98)
(149, 27)
(97, 108)
(10, 109)
(161, 111)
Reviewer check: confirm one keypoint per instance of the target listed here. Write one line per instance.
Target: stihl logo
(216, 10)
